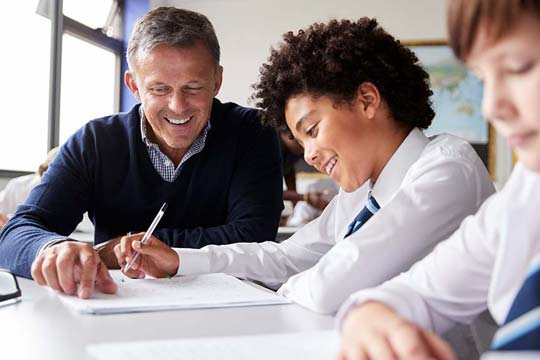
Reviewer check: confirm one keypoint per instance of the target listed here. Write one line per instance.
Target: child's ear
(369, 98)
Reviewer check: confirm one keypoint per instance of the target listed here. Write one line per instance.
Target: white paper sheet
(316, 345)
(188, 292)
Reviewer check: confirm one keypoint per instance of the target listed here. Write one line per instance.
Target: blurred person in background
(17, 189)
(309, 204)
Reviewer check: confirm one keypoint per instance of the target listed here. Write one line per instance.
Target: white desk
(285, 232)
(41, 327)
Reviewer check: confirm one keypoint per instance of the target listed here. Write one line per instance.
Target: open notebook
(314, 345)
(187, 292)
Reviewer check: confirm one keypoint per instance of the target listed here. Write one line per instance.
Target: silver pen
(147, 234)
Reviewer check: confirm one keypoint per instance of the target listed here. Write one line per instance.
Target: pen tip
(164, 207)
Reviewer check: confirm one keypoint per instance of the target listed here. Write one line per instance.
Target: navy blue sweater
(229, 192)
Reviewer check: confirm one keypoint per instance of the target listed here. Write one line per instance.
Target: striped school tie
(363, 216)
(521, 329)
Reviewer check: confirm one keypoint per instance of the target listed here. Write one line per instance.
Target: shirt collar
(391, 177)
(143, 128)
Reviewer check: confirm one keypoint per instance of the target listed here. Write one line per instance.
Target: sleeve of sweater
(52, 210)
(255, 196)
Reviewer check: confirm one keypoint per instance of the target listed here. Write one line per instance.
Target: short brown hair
(173, 27)
(332, 59)
(466, 16)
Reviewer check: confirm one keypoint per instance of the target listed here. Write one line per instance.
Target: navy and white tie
(363, 216)
(521, 329)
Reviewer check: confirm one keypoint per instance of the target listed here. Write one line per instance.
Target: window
(89, 77)
(25, 86)
(88, 84)
(90, 13)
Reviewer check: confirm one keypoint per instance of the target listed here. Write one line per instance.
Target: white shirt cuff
(192, 261)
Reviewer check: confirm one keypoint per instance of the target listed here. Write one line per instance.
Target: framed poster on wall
(457, 98)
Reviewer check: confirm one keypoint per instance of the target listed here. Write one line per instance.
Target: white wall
(247, 28)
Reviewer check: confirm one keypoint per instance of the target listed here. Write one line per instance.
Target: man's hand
(375, 331)
(3, 219)
(73, 268)
(155, 258)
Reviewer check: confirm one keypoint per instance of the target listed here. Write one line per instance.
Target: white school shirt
(483, 264)
(425, 190)
(16, 192)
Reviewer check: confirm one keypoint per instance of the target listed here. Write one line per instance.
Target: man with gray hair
(217, 168)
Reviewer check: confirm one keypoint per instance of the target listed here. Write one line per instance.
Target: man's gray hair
(172, 27)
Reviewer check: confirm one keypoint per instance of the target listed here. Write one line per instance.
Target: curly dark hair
(333, 60)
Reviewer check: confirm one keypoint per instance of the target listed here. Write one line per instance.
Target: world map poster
(457, 95)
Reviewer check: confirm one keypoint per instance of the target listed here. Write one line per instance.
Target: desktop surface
(42, 327)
